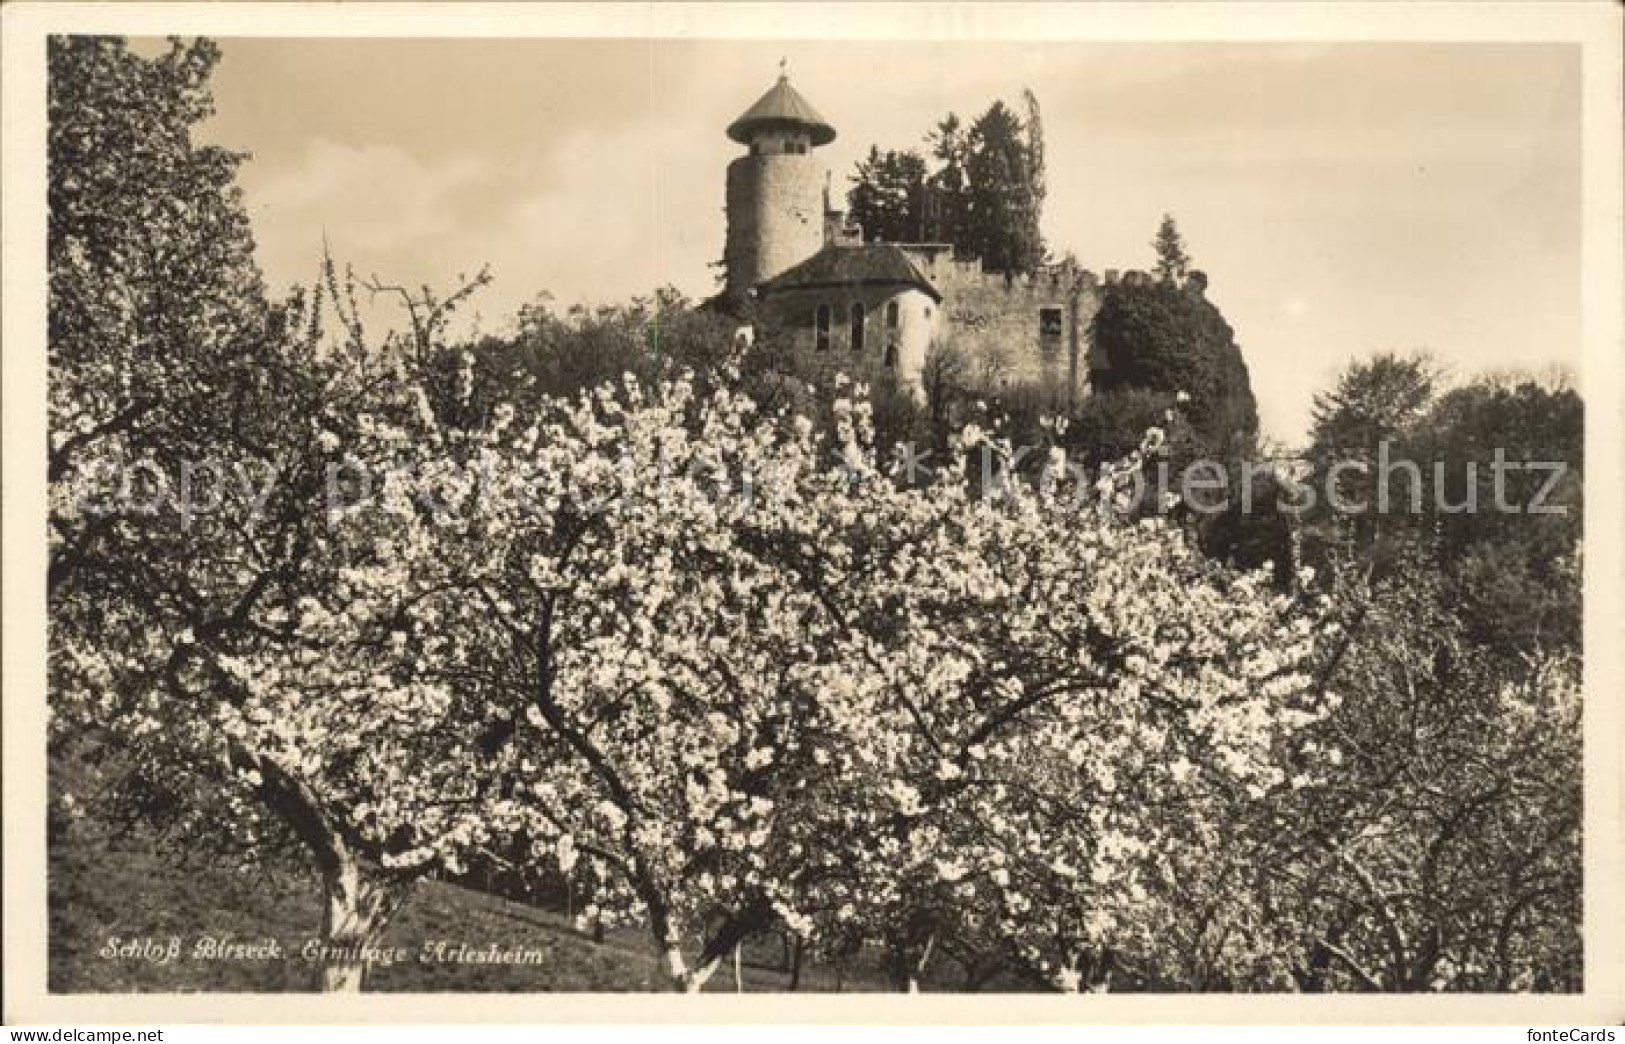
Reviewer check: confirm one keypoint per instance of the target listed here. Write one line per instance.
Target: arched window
(857, 326)
(821, 328)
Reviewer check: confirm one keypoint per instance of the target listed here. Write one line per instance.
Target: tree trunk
(727, 939)
(356, 914)
(678, 974)
(906, 968)
(677, 970)
(358, 906)
(919, 966)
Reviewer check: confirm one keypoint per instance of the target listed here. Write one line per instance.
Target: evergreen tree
(1005, 193)
(887, 197)
(1035, 155)
(985, 196)
(945, 188)
(1172, 261)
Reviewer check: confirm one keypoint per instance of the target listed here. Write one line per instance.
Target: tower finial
(784, 69)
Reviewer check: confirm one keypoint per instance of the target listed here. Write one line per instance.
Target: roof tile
(782, 106)
(871, 264)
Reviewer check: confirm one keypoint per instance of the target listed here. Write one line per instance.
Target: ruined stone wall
(775, 210)
(1022, 330)
(999, 324)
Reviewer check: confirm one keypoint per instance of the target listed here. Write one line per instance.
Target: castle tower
(776, 190)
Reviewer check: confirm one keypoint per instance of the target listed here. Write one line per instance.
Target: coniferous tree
(1035, 160)
(985, 196)
(1004, 198)
(946, 187)
(887, 198)
(1173, 263)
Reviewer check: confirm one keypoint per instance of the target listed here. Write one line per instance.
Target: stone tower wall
(775, 215)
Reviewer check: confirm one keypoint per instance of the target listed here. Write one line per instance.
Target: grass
(133, 887)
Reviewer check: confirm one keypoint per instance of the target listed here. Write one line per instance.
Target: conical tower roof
(782, 108)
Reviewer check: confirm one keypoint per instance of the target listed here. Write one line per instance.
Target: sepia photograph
(839, 513)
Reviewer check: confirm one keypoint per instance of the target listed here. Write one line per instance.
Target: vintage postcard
(1074, 513)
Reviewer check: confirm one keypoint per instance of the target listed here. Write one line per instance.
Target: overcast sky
(1344, 199)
